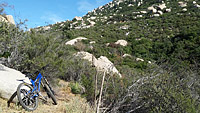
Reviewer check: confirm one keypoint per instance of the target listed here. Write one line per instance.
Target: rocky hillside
(130, 10)
(149, 49)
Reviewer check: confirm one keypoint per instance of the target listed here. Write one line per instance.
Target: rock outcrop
(78, 18)
(122, 42)
(102, 63)
(168, 10)
(92, 42)
(139, 59)
(152, 9)
(74, 41)
(9, 81)
(182, 4)
(3, 19)
(10, 19)
(126, 55)
(7, 19)
(195, 4)
(162, 6)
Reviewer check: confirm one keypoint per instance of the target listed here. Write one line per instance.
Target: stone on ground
(9, 81)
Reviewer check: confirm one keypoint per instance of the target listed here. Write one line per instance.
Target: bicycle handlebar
(43, 68)
(38, 71)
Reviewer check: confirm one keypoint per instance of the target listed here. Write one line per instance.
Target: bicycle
(28, 94)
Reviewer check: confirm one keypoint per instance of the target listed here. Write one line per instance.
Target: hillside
(159, 62)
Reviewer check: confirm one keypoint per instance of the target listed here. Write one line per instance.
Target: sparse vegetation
(171, 42)
(75, 87)
(77, 106)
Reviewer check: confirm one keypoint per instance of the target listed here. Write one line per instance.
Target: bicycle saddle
(28, 74)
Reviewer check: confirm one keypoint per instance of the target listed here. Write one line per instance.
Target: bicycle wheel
(50, 93)
(26, 98)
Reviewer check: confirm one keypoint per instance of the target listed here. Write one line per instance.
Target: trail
(67, 103)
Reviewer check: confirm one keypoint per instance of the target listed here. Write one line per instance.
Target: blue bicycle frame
(36, 88)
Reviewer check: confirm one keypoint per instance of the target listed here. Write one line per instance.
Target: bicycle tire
(19, 91)
(50, 94)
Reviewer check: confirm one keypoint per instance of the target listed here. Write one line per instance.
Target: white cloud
(50, 17)
(101, 2)
(85, 5)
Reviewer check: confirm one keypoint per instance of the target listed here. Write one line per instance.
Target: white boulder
(160, 12)
(7, 19)
(162, 6)
(105, 17)
(126, 55)
(127, 33)
(122, 42)
(156, 15)
(182, 4)
(10, 19)
(102, 63)
(92, 23)
(139, 15)
(92, 42)
(168, 10)
(74, 41)
(197, 5)
(87, 56)
(78, 18)
(9, 81)
(93, 18)
(139, 59)
(46, 28)
(138, 39)
(124, 27)
(130, 5)
(144, 12)
(152, 9)
(107, 44)
(3, 19)
(184, 9)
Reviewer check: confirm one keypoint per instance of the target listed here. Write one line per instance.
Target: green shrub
(5, 54)
(75, 87)
(88, 83)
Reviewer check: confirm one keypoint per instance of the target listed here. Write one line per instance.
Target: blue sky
(43, 12)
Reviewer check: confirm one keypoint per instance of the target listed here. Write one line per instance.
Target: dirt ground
(67, 103)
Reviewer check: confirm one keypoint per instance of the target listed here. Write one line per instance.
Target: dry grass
(78, 105)
(67, 103)
(14, 108)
